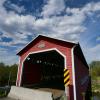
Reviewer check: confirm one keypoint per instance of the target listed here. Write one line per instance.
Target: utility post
(9, 78)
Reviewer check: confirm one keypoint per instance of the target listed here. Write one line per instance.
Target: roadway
(6, 98)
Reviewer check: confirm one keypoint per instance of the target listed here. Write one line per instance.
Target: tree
(13, 71)
(95, 68)
(8, 73)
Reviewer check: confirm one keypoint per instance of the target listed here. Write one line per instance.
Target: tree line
(8, 74)
(95, 69)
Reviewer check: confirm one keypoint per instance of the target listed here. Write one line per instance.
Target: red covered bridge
(48, 62)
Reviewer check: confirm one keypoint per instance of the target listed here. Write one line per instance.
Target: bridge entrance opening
(44, 70)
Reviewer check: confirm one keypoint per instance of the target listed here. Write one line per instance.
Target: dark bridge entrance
(43, 70)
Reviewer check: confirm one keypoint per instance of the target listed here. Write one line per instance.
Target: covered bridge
(52, 63)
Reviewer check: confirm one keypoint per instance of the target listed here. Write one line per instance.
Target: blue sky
(74, 20)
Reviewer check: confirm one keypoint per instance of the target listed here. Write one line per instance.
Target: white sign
(41, 45)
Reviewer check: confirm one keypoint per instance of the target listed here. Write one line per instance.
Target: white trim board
(18, 72)
(73, 73)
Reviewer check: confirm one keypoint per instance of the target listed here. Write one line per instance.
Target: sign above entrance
(41, 45)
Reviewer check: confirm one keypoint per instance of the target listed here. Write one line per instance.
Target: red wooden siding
(81, 72)
(65, 50)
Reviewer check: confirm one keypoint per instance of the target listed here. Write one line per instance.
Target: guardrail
(4, 91)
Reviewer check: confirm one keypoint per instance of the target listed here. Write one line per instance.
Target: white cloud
(60, 26)
(9, 61)
(68, 27)
(12, 24)
(14, 7)
(3, 50)
(88, 9)
(53, 7)
(92, 53)
(4, 56)
(17, 8)
(18, 27)
(98, 38)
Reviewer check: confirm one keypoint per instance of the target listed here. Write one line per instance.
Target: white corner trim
(18, 72)
(73, 72)
(40, 51)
